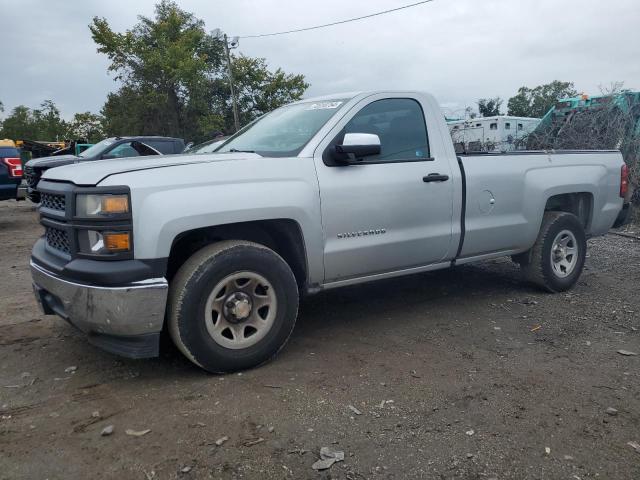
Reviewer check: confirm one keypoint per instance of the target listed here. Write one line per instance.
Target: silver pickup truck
(216, 249)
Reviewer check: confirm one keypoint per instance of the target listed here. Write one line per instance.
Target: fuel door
(486, 202)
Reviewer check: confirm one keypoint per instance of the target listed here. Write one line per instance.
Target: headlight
(102, 206)
(95, 242)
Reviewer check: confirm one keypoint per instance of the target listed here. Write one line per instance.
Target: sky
(458, 50)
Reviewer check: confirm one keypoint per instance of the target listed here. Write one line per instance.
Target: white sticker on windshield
(323, 106)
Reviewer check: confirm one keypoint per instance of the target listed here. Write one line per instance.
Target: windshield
(283, 132)
(97, 148)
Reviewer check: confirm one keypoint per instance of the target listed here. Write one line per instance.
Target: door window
(400, 124)
(166, 148)
(123, 150)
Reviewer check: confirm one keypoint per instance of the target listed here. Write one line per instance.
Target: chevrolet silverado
(216, 249)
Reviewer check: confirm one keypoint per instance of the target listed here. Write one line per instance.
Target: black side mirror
(355, 146)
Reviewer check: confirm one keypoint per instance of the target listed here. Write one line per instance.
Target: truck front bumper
(125, 320)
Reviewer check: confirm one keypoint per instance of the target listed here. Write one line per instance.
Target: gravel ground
(460, 374)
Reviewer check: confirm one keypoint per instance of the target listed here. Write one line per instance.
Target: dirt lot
(466, 374)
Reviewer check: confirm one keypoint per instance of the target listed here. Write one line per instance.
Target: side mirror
(356, 146)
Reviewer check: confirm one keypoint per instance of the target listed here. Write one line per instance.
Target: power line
(338, 22)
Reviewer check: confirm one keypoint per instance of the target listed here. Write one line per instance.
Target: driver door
(380, 215)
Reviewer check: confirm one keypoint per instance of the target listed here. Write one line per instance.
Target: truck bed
(505, 195)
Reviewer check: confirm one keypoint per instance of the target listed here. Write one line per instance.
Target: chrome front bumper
(128, 311)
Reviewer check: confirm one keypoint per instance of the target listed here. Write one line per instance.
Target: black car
(114, 147)
(10, 173)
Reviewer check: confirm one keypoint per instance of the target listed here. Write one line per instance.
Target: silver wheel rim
(564, 254)
(240, 310)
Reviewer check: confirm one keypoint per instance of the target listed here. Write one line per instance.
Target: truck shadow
(398, 298)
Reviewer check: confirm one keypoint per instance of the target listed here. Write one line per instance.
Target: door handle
(435, 177)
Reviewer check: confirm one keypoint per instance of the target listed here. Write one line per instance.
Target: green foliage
(19, 124)
(259, 90)
(48, 122)
(174, 80)
(45, 124)
(166, 65)
(42, 123)
(489, 107)
(536, 102)
(86, 126)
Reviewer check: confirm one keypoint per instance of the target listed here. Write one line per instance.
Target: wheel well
(580, 204)
(283, 236)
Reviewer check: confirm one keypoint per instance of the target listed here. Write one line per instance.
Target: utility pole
(236, 119)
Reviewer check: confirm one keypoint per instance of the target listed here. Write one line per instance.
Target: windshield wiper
(235, 150)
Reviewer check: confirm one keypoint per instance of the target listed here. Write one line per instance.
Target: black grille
(31, 176)
(58, 239)
(54, 202)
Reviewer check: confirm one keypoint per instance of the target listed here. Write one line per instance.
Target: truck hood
(92, 173)
(51, 162)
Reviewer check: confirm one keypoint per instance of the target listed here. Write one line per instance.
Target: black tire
(537, 263)
(192, 286)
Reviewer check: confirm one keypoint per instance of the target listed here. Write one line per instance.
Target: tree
(536, 102)
(19, 124)
(43, 123)
(48, 123)
(166, 65)
(174, 80)
(259, 90)
(489, 107)
(86, 126)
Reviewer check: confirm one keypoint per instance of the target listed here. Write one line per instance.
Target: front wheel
(556, 260)
(232, 306)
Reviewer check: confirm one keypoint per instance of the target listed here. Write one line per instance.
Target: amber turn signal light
(115, 204)
(117, 241)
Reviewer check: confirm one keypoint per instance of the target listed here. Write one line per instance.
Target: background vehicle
(10, 171)
(501, 133)
(109, 148)
(208, 146)
(315, 195)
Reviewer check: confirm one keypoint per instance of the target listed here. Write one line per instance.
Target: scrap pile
(594, 123)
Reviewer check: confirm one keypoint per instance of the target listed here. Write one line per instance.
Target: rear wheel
(556, 260)
(232, 306)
